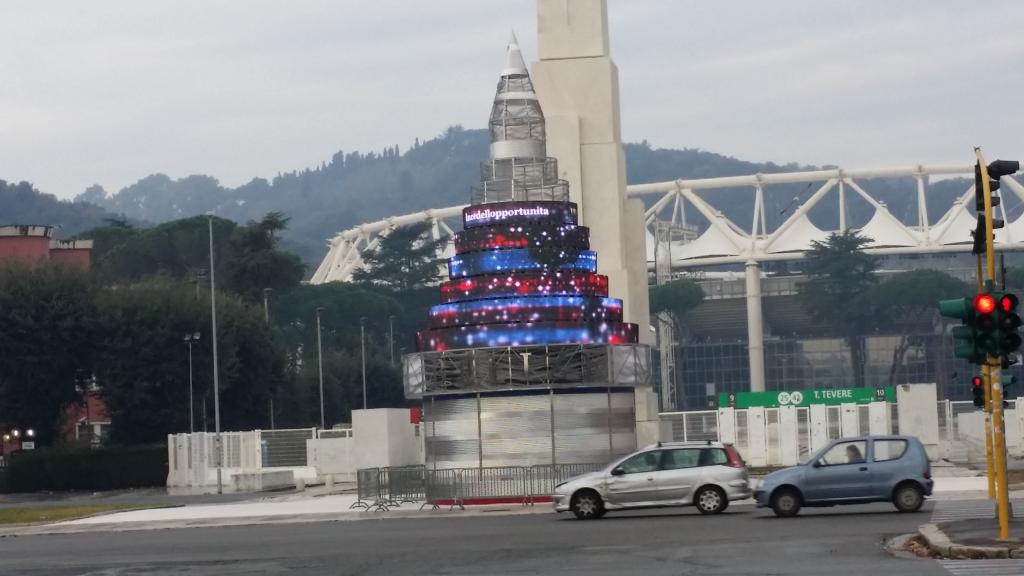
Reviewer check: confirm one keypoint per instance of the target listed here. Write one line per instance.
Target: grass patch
(35, 514)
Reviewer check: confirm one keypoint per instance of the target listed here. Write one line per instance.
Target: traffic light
(965, 335)
(978, 391)
(996, 170)
(1008, 324)
(986, 335)
(1007, 381)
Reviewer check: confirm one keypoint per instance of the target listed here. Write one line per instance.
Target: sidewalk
(285, 506)
(319, 505)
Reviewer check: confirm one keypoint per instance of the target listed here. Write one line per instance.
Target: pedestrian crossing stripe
(949, 510)
(984, 567)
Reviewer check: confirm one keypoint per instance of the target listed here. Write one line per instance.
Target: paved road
(837, 542)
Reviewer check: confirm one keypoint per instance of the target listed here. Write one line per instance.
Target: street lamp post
(266, 305)
(216, 377)
(391, 339)
(320, 366)
(266, 319)
(191, 339)
(362, 347)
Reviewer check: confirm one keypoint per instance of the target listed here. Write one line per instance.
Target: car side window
(713, 457)
(679, 459)
(844, 453)
(889, 450)
(644, 462)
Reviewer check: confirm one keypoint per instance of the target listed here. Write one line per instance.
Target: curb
(940, 544)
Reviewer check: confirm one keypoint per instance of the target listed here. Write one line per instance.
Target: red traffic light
(984, 303)
(1008, 303)
(977, 382)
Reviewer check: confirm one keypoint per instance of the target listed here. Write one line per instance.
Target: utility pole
(362, 347)
(266, 305)
(216, 377)
(391, 339)
(266, 320)
(320, 366)
(987, 336)
(191, 339)
(1007, 341)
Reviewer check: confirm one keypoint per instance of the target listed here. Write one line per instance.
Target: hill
(356, 187)
(21, 203)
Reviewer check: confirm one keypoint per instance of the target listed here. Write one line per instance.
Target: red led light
(1008, 303)
(976, 382)
(984, 303)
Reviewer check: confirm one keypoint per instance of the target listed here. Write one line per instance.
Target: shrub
(76, 468)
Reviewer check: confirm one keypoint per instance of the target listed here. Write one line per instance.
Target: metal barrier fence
(380, 489)
(545, 477)
(496, 482)
(368, 490)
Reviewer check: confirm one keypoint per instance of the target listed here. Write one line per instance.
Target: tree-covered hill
(21, 203)
(356, 187)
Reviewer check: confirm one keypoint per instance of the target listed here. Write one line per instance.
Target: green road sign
(832, 397)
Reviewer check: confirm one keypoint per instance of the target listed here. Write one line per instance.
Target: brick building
(32, 245)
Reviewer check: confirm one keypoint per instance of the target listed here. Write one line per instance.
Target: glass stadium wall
(710, 367)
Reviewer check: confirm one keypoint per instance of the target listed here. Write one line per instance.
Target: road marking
(949, 510)
(983, 567)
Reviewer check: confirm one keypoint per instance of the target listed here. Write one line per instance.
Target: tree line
(119, 329)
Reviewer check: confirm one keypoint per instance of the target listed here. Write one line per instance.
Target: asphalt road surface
(680, 542)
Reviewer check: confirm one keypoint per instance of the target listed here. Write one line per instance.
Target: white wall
(381, 437)
(916, 406)
(971, 428)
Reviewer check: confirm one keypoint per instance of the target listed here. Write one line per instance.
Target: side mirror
(618, 471)
(816, 464)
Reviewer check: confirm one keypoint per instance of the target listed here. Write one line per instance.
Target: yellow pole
(999, 440)
(986, 384)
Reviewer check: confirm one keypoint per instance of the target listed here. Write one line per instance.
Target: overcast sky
(109, 91)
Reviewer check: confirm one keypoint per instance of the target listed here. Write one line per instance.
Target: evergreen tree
(839, 275)
(403, 260)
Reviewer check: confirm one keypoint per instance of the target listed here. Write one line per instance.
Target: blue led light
(493, 335)
(498, 261)
(528, 309)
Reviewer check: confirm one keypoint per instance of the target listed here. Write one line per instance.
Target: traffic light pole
(994, 374)
(987, 409)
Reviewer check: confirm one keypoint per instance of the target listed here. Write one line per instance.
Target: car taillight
(735, 460)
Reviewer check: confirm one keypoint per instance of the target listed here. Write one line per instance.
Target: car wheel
(710, 500)
(587, 505)
(908, 498)
(786, 502)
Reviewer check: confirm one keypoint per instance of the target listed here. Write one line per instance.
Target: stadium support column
(755, 327)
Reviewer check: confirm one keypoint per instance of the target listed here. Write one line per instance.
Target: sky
(109, 91)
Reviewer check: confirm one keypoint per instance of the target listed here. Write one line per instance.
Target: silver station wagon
(852, 471)
(707, 475)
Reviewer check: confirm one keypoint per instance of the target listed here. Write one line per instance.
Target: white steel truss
(726, 242)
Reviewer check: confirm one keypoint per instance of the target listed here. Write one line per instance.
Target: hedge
(75, 468)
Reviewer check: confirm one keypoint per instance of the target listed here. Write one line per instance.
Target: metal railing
(380, 489)
(286, 447)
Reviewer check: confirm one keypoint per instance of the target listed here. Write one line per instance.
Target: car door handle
(649, 479)
(863, 468)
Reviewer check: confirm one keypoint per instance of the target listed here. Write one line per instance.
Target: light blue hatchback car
(852, 471)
